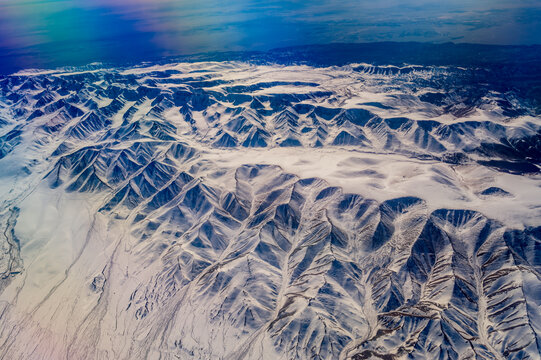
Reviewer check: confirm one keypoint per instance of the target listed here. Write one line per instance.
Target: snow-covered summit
(228, 210)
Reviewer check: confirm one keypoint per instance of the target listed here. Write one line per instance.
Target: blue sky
(42, 33)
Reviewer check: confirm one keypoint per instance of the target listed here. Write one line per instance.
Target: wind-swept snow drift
(225, 210)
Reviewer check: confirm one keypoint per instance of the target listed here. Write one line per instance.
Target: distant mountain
(320, 208)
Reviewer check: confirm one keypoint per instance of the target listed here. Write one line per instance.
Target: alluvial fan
(232, 210)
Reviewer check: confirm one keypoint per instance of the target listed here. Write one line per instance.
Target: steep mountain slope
(231, 210)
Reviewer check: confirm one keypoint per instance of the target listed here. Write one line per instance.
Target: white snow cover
(226, 210)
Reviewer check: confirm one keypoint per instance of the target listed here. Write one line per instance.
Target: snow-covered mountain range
(233, 210)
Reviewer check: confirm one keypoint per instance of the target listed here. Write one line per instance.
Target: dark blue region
(395, 53)
(377, 53)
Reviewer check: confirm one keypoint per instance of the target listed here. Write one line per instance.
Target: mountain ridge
(235, 210)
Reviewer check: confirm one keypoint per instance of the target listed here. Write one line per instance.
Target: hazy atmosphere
(48, 33)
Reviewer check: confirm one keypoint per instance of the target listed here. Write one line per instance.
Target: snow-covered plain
(227, 210)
